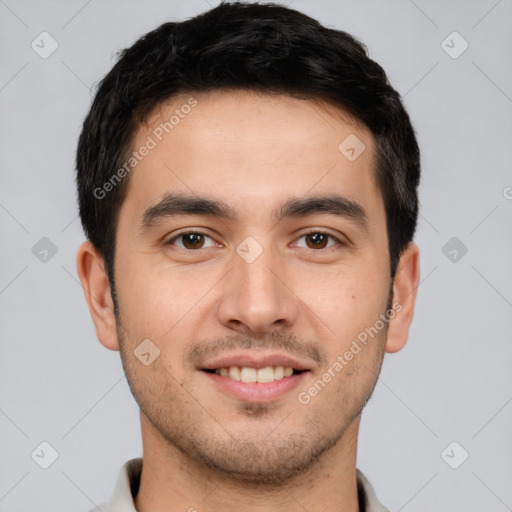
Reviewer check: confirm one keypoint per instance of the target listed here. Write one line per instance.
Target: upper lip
(254, 360)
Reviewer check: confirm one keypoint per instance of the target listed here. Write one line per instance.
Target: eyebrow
(173, 205)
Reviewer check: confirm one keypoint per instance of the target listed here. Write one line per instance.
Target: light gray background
(452, 382)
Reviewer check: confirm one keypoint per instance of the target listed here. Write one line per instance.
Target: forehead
(244, 147)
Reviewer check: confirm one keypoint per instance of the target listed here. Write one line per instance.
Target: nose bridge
(258, 270)
(256, 298)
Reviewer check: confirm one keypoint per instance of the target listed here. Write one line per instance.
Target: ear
(94, 279)
(405, 286)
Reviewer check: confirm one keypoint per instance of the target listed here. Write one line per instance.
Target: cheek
(149, 301)
(157, 299)
(346, 300)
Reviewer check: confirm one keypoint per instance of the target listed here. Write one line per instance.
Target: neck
(171, 481)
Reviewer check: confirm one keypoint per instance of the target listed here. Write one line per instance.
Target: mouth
(253, 377)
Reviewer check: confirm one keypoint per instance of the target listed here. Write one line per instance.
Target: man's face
(263, 287)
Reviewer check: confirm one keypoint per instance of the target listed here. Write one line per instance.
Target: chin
(266, 461)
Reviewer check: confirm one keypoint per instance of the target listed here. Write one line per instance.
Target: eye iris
(318, 240)
(192, 239)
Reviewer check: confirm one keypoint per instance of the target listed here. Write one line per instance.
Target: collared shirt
(128, 482)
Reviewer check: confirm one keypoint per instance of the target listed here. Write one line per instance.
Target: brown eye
(191, 240)
(318, 240)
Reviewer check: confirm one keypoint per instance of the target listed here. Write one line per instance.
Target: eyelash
(312, 232)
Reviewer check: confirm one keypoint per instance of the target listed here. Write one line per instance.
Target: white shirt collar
(129, 479)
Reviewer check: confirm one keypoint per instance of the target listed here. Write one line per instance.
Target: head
(247, 182)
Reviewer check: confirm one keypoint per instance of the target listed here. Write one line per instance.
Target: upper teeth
(247, 374)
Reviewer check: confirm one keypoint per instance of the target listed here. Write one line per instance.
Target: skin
(203, 448)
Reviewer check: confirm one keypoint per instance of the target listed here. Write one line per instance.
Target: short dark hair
(262, 47)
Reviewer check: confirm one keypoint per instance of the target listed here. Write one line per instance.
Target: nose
(257, 297)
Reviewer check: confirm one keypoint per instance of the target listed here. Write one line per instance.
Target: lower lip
(256, 391)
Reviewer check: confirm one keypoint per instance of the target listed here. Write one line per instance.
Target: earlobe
(405, 286)
(96, 286)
